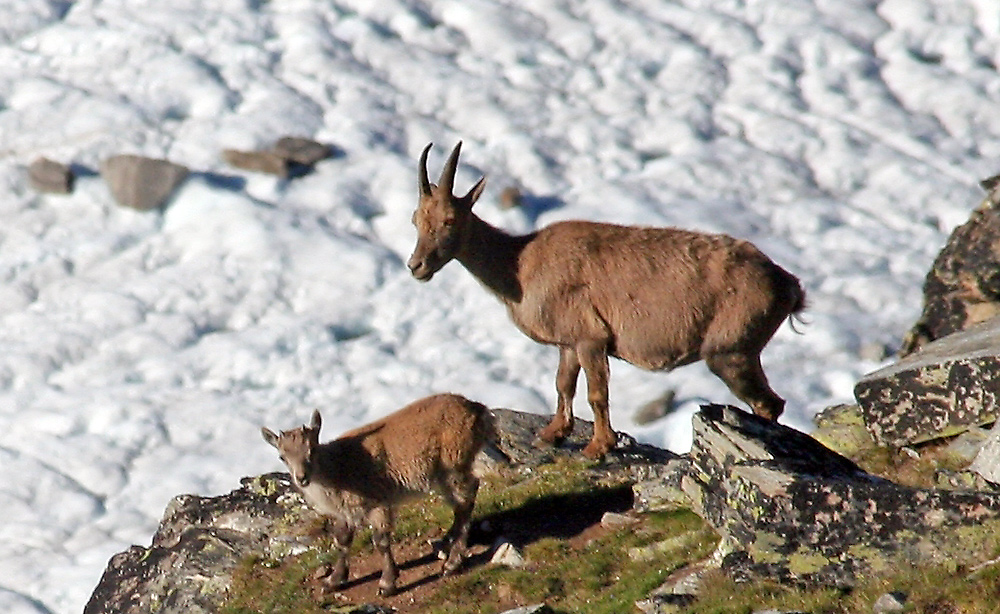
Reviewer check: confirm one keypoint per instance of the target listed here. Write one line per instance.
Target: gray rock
(516, 435)
(306, 152)
(267, 162)
(615, 521)
(50, 177)
(890, 603)
(511, 198)
(948, 387)
(987, 461)
(508, 555)
(793, 510)
(142, 183)
(963, 286)
(655, 409)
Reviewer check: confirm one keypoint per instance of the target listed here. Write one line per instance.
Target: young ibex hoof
(387, 591)
(452, 565)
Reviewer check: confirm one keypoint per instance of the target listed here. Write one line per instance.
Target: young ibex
(426, 447)
(658, 298)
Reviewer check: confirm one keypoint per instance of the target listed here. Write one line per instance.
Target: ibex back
(657, 298)
(429, 446)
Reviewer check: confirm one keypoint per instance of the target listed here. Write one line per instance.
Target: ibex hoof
(387, 591)
(451, 566)
(552, 436)
(596, 451)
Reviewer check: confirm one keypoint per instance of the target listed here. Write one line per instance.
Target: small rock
(964, 448)
(655, 409)
(50, 177)
(510, 198)
(614, 521)
(890, 602)
(874, 351)
(267, 162)
(962, 480)
(508, 555)
(142, 183)
(987, 460)
(306, 152)
(989, 183)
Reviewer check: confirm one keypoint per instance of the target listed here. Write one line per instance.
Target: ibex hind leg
(460, 493)
(745, 377)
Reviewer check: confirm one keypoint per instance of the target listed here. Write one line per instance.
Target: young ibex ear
(269, 436)
(317, 420)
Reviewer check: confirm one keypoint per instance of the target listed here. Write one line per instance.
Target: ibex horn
(425, 183)
(447, 181)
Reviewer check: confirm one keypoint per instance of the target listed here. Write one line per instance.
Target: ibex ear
(477, 190)
(269, 436)
(317, 420)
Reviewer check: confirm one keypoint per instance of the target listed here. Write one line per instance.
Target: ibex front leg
(562, 422)
(593, 356)
(381, 523)
(343, 536)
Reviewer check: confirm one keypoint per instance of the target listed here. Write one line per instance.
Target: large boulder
(790, 509)
(949, 386)
(963, 286)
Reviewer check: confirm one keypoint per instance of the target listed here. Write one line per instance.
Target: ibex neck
(491, 255)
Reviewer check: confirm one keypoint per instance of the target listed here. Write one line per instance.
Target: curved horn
(447, 180)
(425, 183)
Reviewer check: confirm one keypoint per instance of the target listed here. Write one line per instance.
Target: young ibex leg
(745, 377)
(462, 498)
(343, 536)
(566, 376)
(593, 357)
(381, 523)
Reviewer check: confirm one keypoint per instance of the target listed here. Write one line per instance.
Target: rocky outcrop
(963, 286)
(199, 543)
(189, 565)
(790, 509)
(947, 387)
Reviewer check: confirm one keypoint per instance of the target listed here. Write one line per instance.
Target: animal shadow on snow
(534, 206)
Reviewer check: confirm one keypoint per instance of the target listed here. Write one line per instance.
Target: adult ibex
(426, 447)
(657, 298)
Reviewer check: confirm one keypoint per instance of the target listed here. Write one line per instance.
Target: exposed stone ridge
(963, 286)
(791, 509)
